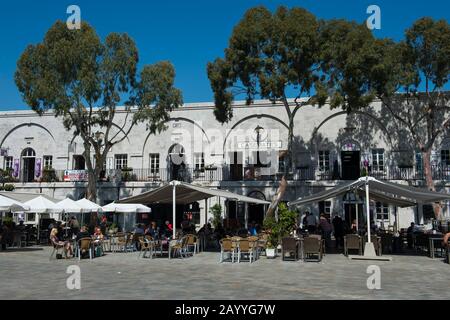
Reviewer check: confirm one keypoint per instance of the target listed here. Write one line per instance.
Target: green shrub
(284, 226)
(9, 187)
(216, 211)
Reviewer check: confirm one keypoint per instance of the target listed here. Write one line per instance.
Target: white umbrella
(8, 204)
(89, 205)
(126, 208)
(69, 206)
(42, 205)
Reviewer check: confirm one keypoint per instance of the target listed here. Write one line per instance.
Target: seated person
(68, 250)
(446, 241)
(139, 230)
(83, 233)
(98, 235)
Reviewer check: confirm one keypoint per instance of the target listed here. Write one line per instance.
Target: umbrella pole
(174, 208)
(369, 249)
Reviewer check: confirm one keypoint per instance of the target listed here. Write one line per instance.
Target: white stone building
(244, 156)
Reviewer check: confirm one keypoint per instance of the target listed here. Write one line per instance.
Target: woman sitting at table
(68, 250)
(98, 235)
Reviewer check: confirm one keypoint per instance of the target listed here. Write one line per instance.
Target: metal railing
(312, 173)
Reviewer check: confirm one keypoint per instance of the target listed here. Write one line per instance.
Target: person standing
(311, 222)
(326, 229)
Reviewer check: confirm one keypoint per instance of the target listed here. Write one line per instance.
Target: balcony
(440, 173)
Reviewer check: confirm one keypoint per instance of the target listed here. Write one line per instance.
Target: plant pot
(271, 253)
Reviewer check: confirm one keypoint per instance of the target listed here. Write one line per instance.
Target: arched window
(28, 153)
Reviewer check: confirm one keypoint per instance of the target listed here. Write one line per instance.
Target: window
(419, 162)
(121, 161)
(378, 160)
(48, 162)
(324, 160)
(31, 217)
(325, 207)
(382, 211)
(261, 159)
(154, 163)
(445, 157)
(8, 163)
(199, 161)
(79, 162)
(282, 161)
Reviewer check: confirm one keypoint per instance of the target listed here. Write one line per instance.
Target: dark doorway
(29, 163)
(236, 166)
(177, 163)
(256, 213)
(28, 169)
(350, 165)
(79, 163)
(350, 214)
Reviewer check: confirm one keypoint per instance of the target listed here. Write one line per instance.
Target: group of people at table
(75, 234)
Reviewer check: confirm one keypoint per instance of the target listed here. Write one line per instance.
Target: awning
(187, 193)
(126, 208)
(387, 192)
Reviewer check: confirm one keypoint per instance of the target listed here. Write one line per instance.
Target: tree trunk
(281, 191)
(428, 175)
(289, 167)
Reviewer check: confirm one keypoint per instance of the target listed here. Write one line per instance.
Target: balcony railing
(440, 173)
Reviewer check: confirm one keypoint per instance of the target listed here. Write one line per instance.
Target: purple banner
(16, 168)
(38, 167)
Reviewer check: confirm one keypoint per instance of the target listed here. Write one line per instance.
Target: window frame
(123, 159)
(155, 162)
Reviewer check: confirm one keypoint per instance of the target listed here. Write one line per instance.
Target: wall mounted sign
(75, 175)
(262, 145)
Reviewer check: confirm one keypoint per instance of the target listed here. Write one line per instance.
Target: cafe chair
(353, 242)
(227, 248)
(312, 246)
(289, 245)
(85, 245)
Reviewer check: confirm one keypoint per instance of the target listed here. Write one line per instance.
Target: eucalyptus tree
(272, 56)
(84, 81)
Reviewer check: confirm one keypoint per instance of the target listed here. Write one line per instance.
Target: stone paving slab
(30, 275)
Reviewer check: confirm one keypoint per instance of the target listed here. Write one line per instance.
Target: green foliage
(9, 187)
(84, 80)
(6, 176)
(216, 211)
(267, 54)
(8, 221)
(284, 226)
(49, 175)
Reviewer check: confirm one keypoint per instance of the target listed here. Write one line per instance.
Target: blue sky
(188, 33)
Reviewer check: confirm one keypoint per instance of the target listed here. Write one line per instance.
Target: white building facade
(246, 156)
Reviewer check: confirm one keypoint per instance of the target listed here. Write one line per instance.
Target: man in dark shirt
(83, 233)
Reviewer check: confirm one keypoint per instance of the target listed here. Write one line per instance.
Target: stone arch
(259, 116)
(26, 125)
(375, 119)
(177, 119)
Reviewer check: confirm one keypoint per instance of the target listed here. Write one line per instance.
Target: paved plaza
(30, 275)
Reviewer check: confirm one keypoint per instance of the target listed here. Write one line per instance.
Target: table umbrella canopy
(8, 204)
(88, 205)
(42, 205)
(126, 208)
(186, 193)
(70, 206)
(26, 196)
(388, 192)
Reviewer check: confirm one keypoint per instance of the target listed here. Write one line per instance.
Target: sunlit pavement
(31, 275)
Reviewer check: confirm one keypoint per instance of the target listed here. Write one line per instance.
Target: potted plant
(216, 211)
(277, 229)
